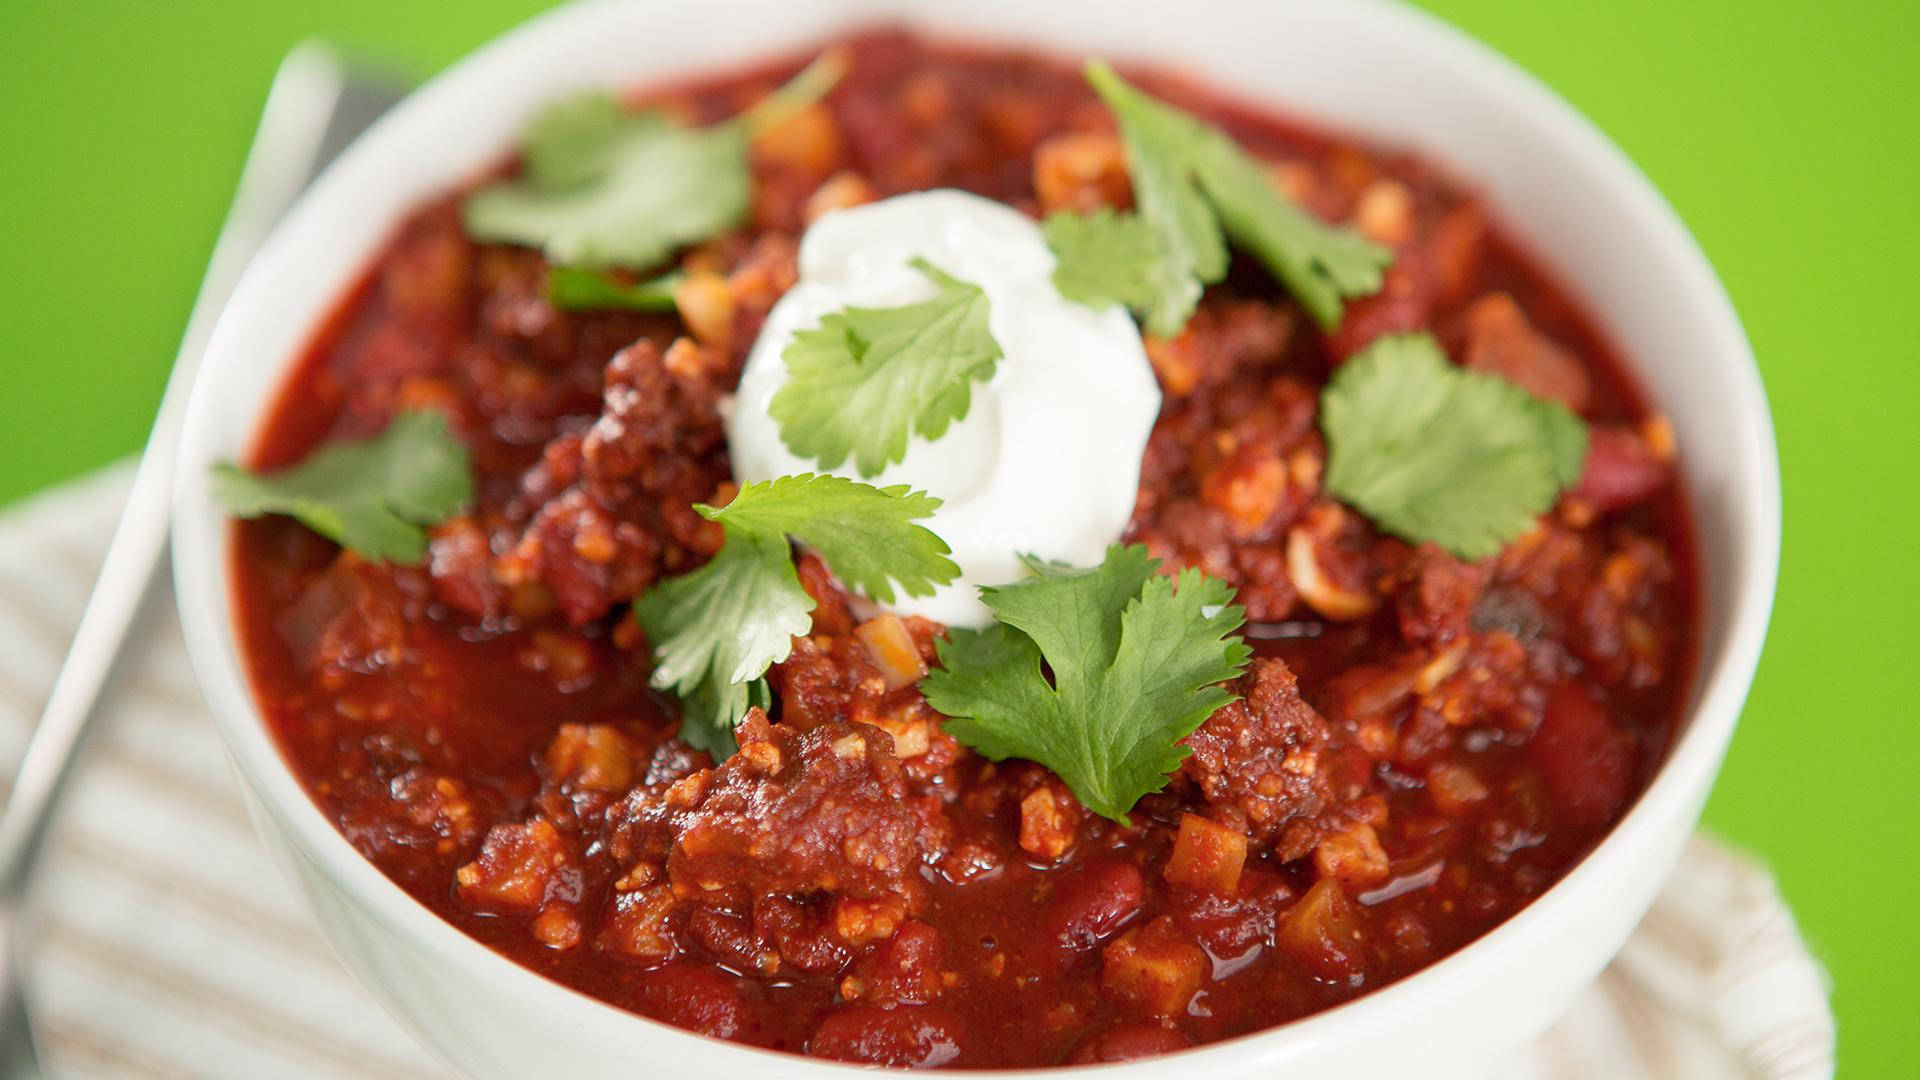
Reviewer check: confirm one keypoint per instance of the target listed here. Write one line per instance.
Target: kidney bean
(1091, 904)
(697, 997)
(728, 938)
(915, 1036)
(1125, 1042)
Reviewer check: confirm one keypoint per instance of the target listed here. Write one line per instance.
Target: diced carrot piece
(840, 191)
(593, 757)
(1049, 822)
(891, 647)
(1156, 969)
(1323, 932)
(1206, 856)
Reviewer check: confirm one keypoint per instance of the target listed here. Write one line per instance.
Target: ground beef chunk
(607, 510)
(831, 677)
(1265, 762)
(1438, 601)
(1606, 595)
(672, 760)
(656, 449)
(800, 813)
(1226, 474)
(1225, 340)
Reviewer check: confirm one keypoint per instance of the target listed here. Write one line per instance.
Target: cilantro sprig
(1195, 188)
(1136, 659)
(602, 185)
(1435, 452)
(716, 631)
(375, 497)
(866, 378)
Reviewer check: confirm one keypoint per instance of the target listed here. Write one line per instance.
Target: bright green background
(1783, 131)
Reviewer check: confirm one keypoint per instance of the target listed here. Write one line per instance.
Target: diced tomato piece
(1586, 760)
(1622, 469)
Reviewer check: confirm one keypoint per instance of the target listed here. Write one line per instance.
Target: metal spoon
(317, 104)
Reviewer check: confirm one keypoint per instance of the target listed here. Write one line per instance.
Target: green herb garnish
(1135, 658)
(577, 288)
(1435, 452)
(1103, 258)
(1195, 187)
(866, 378)
(375, 497)
(716, 630)
(603, 185)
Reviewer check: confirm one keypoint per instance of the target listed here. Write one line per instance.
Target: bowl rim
(201, 564)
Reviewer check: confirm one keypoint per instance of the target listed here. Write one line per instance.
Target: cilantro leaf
(716, 631)
(865, 378)
(1323, 266)
(578, 140)
(719, 628)
(1566, 438)
(1103, 258)
(1136, 660)
(605, 186)
(866, 534)
(812, 84)
(1160, 141)
(709, 715)
(1192, 181)
(375, 496)
(664, 188)
(1435, 452)
(579, 289)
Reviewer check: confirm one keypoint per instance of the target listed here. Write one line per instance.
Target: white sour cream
(1047, 461)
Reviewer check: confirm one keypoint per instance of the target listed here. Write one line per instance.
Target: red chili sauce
(1424, 745)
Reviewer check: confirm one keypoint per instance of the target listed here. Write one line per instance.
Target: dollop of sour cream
(1047, 460)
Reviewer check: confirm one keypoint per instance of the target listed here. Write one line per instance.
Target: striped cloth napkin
(165, 944)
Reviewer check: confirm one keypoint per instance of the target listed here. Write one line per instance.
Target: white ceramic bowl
(1365, 67)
